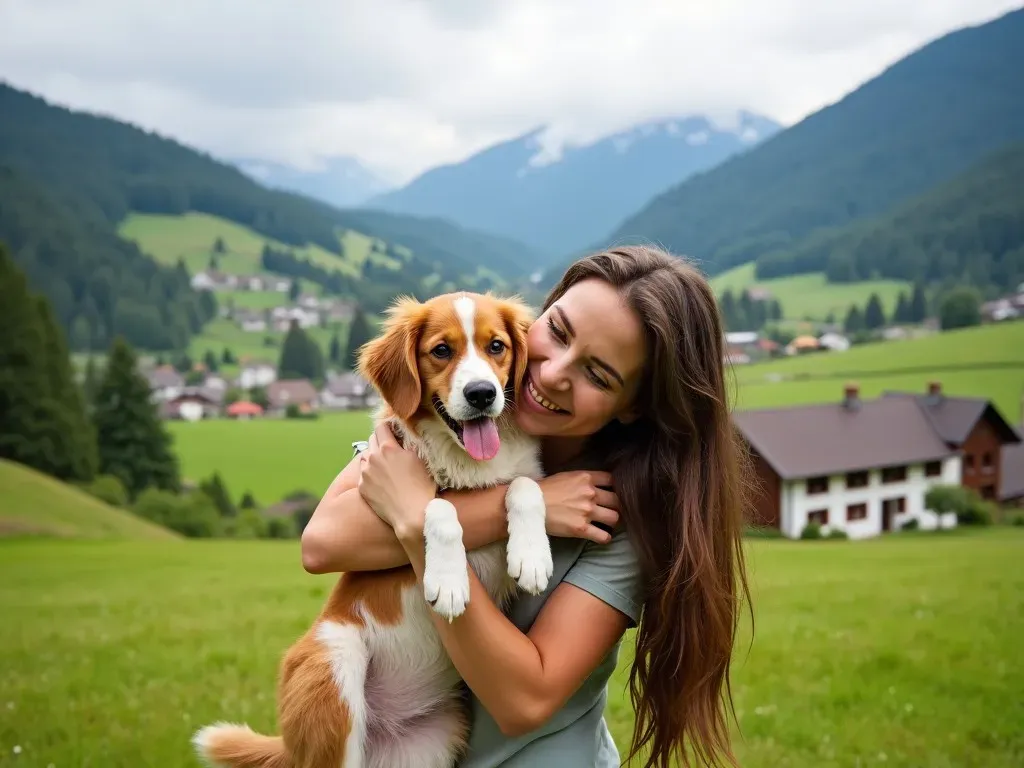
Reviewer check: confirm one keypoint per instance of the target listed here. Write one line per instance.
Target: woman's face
(586, 356)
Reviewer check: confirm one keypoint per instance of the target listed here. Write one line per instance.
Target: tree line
(104, 434)
(747, 313)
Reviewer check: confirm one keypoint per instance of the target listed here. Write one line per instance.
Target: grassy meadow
(270, 457)
(811, 295)
(903, 651)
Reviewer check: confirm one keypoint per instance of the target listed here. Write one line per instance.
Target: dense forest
(968, 230)
(98, 285)
(69, 178)
(927, 118)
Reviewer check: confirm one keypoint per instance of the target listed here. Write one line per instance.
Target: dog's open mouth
(478, 436)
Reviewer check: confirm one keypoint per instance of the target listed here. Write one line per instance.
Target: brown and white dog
(370, 684)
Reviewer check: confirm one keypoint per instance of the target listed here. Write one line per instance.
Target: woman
(625, 381)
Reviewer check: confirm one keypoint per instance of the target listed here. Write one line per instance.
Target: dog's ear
(518, 318)
(390, 362)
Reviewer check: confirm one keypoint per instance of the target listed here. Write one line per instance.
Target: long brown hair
(680, 474)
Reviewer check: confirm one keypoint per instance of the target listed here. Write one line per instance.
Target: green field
(191, 236)
(34, 504)
(270, 457)
(810, 295)
(985, 361)
(903, 651)
(222, 333)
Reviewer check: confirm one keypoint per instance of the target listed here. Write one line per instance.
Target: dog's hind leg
(322, 698)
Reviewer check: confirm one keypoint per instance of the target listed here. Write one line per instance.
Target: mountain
(925, 119)
(969, 229)
(560, 203)
(70, 178)
(340, 181)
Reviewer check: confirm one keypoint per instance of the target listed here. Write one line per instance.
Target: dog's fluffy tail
(225, 745)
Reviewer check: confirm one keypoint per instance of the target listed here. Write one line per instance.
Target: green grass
(984, 361)
(191, 236)
(897, 652)
(34, 504)
(270, 457)
(810, 295)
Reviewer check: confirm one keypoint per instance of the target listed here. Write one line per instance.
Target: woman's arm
(345, 534)
(522, 680)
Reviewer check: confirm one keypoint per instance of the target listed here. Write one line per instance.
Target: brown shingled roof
(953, 418)
(833, 438)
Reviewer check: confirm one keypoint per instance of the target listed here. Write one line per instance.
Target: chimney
(934, 392)
(851, 397)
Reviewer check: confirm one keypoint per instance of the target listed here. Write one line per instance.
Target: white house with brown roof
(257, 373)
(348, 391)
(285, 392)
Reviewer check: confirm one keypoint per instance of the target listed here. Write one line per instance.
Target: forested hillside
(969, 229)
(927, 118)
(83, 174)
(98, 284)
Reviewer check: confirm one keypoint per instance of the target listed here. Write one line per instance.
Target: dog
(370, 685)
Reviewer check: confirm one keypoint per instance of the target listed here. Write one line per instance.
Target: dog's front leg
(446, 569)
(529, 551)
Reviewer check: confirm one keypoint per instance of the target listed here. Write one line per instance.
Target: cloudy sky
(408, 84)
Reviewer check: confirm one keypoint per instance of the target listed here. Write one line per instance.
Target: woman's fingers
(606, 499)
(606, 516)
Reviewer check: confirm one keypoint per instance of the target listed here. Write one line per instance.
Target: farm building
(285, 392)
(348, 391)
(864, 466)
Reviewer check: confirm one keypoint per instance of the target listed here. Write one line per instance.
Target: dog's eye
(442, 351)
(496, 347)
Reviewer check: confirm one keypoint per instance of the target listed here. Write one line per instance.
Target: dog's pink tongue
(480, 437)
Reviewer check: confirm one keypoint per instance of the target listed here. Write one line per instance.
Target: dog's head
(459, 358)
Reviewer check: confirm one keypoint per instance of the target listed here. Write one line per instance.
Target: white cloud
(408, 84)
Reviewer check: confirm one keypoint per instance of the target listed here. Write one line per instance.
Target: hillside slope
(100, 170)
(968, 229)
(36, 504)
(570, 201)
(926, 118)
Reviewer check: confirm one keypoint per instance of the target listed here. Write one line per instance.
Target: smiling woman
(623, 372)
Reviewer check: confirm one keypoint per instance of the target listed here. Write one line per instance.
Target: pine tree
(43, 423)
(902, 313)
(334, 352)
(874, 315)
(301, 357)
(293, 290)
(218, 245)
(227, 357)
(218, 493)
(134, 446)
(210, 361)
(854, 321)
(918, 305)
(358, 334)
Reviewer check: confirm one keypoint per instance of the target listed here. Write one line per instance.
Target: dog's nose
(480, 394)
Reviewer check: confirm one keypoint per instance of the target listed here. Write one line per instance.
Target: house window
(856, 512)
(857, 480)
(819, 516)
(986, 462)
(933, 469)
(817, 485)
(969, 463)
(901, 505)
(894, 474)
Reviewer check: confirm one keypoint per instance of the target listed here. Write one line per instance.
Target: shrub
(837, 533)
(193, 515)
(811, 531)
(969, 507)
(1017, 520)
(109, 489)
(281, 528)
(910, 525)
(978, 512)
(249, 524)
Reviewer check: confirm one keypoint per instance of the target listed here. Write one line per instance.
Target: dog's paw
(446, 569)
(530, 563)
(529, 551)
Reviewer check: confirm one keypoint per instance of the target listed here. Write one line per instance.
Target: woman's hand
(575, 501)
(395, 483)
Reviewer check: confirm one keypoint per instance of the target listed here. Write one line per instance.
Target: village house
(256, 373)
(285, 392)
(250, 320)
(243, 410)
(164, 382)
(834, 342)
(212, 280)
(193, 404)
(864, 466)
(282, 317)
(1011, 470)
(348, 391)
